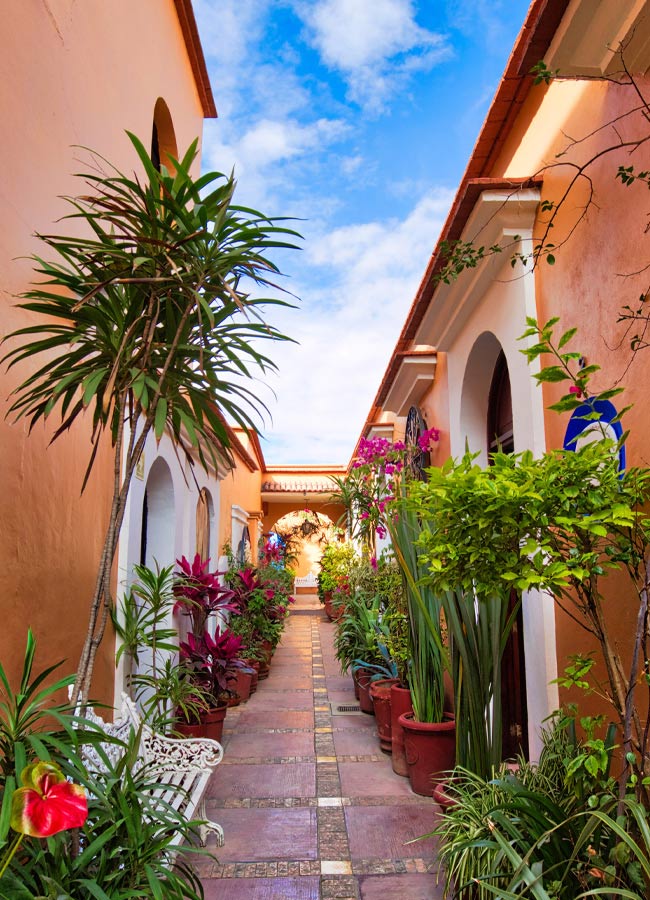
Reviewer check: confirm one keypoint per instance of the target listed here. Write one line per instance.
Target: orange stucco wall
(240, 487)
(72, 73)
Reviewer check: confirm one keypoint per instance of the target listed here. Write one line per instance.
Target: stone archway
(308, 532)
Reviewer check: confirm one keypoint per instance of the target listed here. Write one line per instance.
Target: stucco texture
(73, 73)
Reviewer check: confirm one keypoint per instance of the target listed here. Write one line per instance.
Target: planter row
(423, 751)
(245, 684)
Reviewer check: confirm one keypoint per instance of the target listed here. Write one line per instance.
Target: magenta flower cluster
(428, 437)
(378, 463)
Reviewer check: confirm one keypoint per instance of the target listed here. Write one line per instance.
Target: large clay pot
(400, 702)
(363, 680)
(445, 798)
(266, 650)
(334, 611)
(241, 686)
(380, 696)
(210, 725)
(355, 681)
(430, 749)
(254, 666)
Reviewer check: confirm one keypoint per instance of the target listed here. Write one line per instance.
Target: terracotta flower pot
(254, 666)
(443, 797)
(209, 726)
(400, 702)
(241, 685)
(333, 611)
(430, 749)
(356, 684)
(380, 696)
(363, 680)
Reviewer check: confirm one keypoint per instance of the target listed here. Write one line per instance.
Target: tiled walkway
(309, 804)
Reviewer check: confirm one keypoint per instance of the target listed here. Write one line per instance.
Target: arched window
(500, 434)
(418, 459)
(244, 546)
(163, 137)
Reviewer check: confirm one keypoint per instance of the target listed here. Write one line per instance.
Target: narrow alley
(309, 804)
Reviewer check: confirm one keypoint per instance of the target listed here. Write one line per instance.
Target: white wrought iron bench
(182, 766)
(305, 581)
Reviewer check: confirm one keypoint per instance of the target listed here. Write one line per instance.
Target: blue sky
(357, 117)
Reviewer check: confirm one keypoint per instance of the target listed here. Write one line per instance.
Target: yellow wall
(71, 73)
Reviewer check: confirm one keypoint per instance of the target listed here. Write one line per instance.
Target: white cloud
(362, 282)
(373, 45)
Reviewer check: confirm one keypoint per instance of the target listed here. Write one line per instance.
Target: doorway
(500, 437)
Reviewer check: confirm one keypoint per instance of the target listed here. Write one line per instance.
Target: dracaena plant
(144, 321)
(199, 593)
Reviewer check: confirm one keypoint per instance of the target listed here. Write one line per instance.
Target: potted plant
(262, 597)
(212, 664)
(199, 592)
(333, 578)
(429, 731)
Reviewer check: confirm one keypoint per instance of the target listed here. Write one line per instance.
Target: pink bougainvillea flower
(428, 437)
(574, 389)
(47, 803)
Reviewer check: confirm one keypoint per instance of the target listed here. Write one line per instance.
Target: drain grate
(341, 709)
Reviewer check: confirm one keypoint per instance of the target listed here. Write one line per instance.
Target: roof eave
(192, 40)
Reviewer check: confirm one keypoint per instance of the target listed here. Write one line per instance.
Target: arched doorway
(158, 517)
(305, 533)
(500, 437)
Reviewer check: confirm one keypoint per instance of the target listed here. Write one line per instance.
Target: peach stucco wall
(592, 278)
(72, 73)
(310, 551)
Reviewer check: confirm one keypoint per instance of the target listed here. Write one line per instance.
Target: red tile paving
(310, 807)
(406, 887)
(383, 832)
(277, 834)
(262, 889)
(269, 745)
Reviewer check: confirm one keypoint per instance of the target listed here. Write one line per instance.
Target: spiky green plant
(147, 323)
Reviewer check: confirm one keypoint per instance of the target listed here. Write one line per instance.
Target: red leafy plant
(46, 804)
(199, 593)
(213, 662)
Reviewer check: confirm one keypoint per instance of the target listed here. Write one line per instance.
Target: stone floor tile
(360, 779)
(406, 887)
(340, 683)
(292, 699)
(270, 745)
(268, 834)
(261, 720)
(358, 722)
(384, 831)
(334, 828)
(356, 743)
(280, 780)
(300, 888)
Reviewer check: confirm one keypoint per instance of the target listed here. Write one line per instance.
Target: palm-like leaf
(147, 321)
